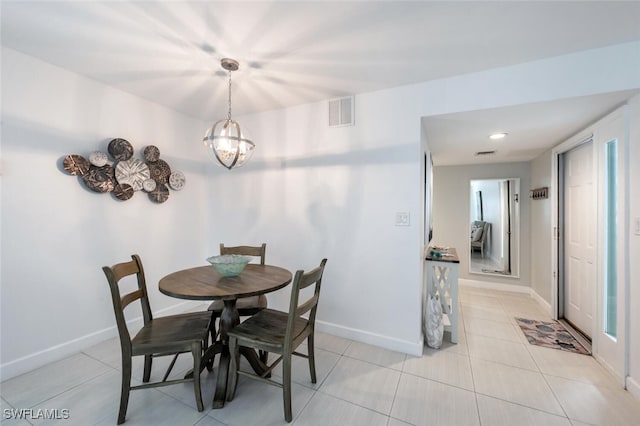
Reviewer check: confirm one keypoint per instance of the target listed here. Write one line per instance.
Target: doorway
(590, 282)
(577, 226)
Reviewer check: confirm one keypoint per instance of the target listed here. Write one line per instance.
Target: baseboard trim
(386, 342)
(633, 387)
(542, 302)
(620, 380)
(55, 353)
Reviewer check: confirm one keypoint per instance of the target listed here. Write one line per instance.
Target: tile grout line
(395, 393)
(527, 348)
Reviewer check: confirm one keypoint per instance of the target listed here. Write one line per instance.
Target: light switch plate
(403, 219)
(636, 225)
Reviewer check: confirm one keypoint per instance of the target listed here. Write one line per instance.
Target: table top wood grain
(205, 283)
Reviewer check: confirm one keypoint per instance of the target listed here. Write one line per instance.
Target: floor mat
(550, 334)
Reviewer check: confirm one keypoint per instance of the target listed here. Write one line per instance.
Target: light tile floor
(491, 377)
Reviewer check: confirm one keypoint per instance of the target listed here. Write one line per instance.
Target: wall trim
(542, 302)
(633, 387)
(386, 342)
(55, 353)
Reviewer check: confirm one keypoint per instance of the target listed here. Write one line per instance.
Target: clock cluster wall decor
(126, 175)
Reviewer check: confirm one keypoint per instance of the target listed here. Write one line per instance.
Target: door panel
(580, 224)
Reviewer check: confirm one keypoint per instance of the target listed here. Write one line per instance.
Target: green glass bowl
(229, 265)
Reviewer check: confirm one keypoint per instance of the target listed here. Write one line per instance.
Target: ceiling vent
(341, 112)
(479, 153)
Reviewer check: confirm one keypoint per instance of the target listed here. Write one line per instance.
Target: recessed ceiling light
(496, 136)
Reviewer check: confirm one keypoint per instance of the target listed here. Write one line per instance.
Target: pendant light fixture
(224, 138)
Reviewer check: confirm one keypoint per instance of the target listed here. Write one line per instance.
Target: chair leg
(312, 358)
(234, 354)
(148, 360)
(286, 386)
(264, 356)
(212, 329)
(126, 388)
(212, 333)
(196, 350)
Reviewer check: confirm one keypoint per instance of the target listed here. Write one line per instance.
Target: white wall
(308, 192)
(312, 191)
(451, 213)
(57, 235)
(541, 229)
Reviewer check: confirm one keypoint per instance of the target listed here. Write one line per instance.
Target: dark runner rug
(550, 334)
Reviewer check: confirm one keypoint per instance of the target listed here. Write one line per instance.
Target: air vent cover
(341, 112)
(485, 153)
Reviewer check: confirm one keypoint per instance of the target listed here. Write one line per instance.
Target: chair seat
(171, 333)
(246, 306)
(267, 328)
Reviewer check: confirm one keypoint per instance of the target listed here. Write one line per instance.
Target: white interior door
(579, 238)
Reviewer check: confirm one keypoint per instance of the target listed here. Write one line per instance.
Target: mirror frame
(480, 203)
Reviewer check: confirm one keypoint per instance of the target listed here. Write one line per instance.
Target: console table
(442, 279)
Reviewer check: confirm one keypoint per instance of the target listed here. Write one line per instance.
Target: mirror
(494, 220)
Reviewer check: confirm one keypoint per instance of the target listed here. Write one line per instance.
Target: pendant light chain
(229, 115)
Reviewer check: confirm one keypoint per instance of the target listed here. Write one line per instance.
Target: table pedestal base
(223, 368)
(229, 319)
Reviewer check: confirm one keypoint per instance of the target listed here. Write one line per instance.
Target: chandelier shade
(229, 146)
(225, 139)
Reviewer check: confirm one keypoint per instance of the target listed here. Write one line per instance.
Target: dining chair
(170, 335)
(280, 333)
(246, 306)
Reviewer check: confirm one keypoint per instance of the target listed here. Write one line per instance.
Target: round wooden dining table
(206, 283)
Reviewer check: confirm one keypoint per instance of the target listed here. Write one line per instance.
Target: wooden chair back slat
(301, 281)
(114, 274)
(131, 297)
(256, 251)
(306, 306)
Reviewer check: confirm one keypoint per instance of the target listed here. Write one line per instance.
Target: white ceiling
(455, 138)
(305, 51)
